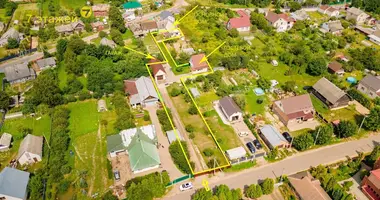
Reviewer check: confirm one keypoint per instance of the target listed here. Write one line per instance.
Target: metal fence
(180, 179)
(18, 54)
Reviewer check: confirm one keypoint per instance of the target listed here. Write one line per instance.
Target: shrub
(267, 186)
(191, 135)
(189, 128)
(303, 141)
(175, 92)
(192, 110)
(164, 121)
(66, 169)
(178, 157)
(63, 186)
(146, 116)
(358, 96)
(346, 129)
(83, 95)
(254, 191)
(208, 152)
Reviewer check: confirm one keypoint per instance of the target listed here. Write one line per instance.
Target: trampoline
(351, 79)
(259, 91)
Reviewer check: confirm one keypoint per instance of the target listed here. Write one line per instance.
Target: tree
(357, 3)
(303, 141)
(267, 186)
(264, 83)
(189, 128)
(254, 191)
(208, 152)
(375, 154)
(36, 185)
(117, 37)
(192, 110)
(61, 48)
(178, 157)
(109, 196)
(206, 85)
(294, 6)
(102, 34)
(259, 20)
(147, 187)
(346, 129)
(45, 89)
(4, 100)
(234, 33)
(289, 86)
(324, 134)
(12, 43)
(10, 7)
(372, 121)
(316, 67)
(116, 19)
(202, 194)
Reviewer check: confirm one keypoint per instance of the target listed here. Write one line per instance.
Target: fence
(18, 54)
(180, 179)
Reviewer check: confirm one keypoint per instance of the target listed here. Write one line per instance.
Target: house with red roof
(281, 22)
(328, 10)
(196, 66)
(371, 185)
(241, 23)
(158, 71)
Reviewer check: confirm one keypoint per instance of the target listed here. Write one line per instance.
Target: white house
(5, 142)
(241, 23)
(30, 150)
(141, 92)
(158, 72)
(328, 10)
(196, 66)
(281, 22)
(230, 109)
(375, 39)
(356, 14)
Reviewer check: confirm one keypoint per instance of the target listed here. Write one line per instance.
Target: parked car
(116, 174)
(186, 186)
(251, 147)
(257, 144)
(243, 134)
(287, 136)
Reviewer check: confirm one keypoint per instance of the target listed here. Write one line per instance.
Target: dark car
(287, 136)
(257, 144)
(251, 147)
(116, 174)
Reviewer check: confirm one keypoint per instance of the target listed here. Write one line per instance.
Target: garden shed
(102, 106)
(236, 153)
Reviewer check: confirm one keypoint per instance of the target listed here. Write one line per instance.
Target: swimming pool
(351, 79)
(258, 91)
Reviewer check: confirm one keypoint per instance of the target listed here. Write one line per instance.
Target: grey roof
(106, 42)
(335, 26)
(11, 33)
(31, 144)
(14, 182)
(165, 14)
(68, 27)
(195, 92)
(328, 90)
(115, 143)
(355, 11)
(5, 140)
(229, 105)
(18, 71)
(272, 135)
(145, 89)
(371, 82)
(236, 153)
(46, 62)
(172, 136)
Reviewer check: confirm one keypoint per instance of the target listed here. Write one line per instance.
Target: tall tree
(372, 121)
(346, 129)
(4, 100)
(45, 89)
(61, 48)
(116, 19)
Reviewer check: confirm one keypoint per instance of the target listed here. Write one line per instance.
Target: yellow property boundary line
(183, 79)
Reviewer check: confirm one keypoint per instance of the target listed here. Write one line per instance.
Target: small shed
(274, 63)
(5, 142)
(236, 153)
(195, 92)
(172, 136)
(102, 106)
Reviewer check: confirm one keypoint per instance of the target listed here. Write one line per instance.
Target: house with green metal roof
(141, 146)
(132, 6)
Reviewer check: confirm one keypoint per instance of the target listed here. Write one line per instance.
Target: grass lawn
(3, 52)
(24, 10)
(319, 106)
(84, 117)
(205, 100)
(72, 4)
(150, 44)
(251, 103)
(299, 132)
(3, 17)
(62, 76)
(347, 113)
(2, 75)
(127, 35)
(316, 16)
(167, 55)
(45, 7)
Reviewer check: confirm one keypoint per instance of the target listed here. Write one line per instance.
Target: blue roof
(272, 135)
(14, 182)
(132, 5)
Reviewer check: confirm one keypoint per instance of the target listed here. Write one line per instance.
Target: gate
(180, 179)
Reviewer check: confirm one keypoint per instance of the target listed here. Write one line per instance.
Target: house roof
(331, 9)
(32, 144)
(375, 177)
(273, 17)
(14, 182)
(195, 92)
(371, 82)
(324, 7)
(335, 26)
(156, 68)
(100, 7)
(5, 140)
(132, 5)
(355, 11)
(328, 90)
(172, 136)
(143, 89)
(97, 24)
(196, 62)
(229, 105)
(307, 187)
(236, 153)
(142, 152)
(68, 27)
(165, 14)
(18, 71)
(295, 104)
(130, 87)
(149, 25)
(272, 135)
(128, 134)
(106, 42)
(241, 21)
(46, 62)
(300, 15)
(115, 143)
(335, 66)
(10, 33)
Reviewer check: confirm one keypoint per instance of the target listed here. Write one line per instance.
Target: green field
(83, 117)
(251, 103)
(72, 4)
(62, 76)
(24, 10)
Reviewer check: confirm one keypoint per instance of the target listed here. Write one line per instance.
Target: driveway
(303, 125)
(163, 149)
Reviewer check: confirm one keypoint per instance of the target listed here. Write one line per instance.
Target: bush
(70, 98)
(254, 191)
(192, 110)
(66, 169)
(303, 141)
(346, 129)
(267, 186)
(189, 128)
(208, 152)
(191, 135)
(178, 157)
(175, 92)
(83, 95)
(146, 116)
(164, 121)
(361, 98)
(63, 186)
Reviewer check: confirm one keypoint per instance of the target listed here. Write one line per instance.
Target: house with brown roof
(328, 10)
(333, 27)
(230, 109)
(158, 71)
(371, 185)
(143, 28)
(330, 94)
(335, 67)
(30, 150)
(100, 10)
(359, 16)
(97, 26)
(307, 187)
(141, 92)
(67, 29)
(196, 66)
(281, 22)
(370, 85)
(241, 23)
(294, 109)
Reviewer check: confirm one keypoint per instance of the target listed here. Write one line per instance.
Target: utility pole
(291, 142)
(361, 124)
(315, 141)
(282, 174)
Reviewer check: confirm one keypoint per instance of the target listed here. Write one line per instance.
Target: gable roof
(107, 42)
(165, 14)
(324, 7)
(132, 5)
(5, 140)
(195, 60)
(229, 105)
(145, 88)
(307, 187)
(371, 82)
(272, 135)
(334, 26)
(11, 33)
(335, 66)
(18, 71)
(130, 87)
(355, 11)
(295, 104)
(273, 17)
(331, 9)
(142, 152)
(149, 25)
(115, 143)
(31, 144)
(42, 63)
(14, 182)
(328, 90)
(156, 68)
(100, 7)
(241, 21)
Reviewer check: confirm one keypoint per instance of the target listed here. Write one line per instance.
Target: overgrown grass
(24, 10)
(72, 4)
(84, 117)
(62, 76)
(241, 166)
(2, 76)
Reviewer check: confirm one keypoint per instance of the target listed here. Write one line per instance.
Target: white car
(186, 186)
(243, 134)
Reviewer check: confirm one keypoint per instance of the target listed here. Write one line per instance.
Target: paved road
(290, 165)
(177, 6)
